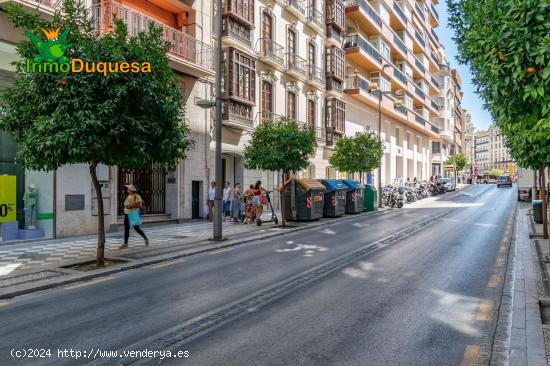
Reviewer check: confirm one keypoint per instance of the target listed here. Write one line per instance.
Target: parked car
(504, 180)
(449, 184)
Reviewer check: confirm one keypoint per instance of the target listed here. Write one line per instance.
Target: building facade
(491, 152)
(469, 141)
(330, 64)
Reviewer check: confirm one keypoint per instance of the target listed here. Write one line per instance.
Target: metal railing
(241, 34)
(356, 40)
(419, 119)
(419, 92)
(399, 11)
(435, 11)
(335, 34)
(399, 42)
(315, 73)
(434, 104)
(334, 85)
(358, 82)
(398, 74)
(363, 4)
(297, 4)
(267, 117)
(434, 81)
(272, 50)
(419, 38)
(434, 128)
(434, 34)
(316, 16)
(237, 118)
(296, 63)
(419, 65)
(420, 11)
(54, 4)
(434, 58)
(182, 45)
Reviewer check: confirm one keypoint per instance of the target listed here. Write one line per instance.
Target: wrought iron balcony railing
(272, 50)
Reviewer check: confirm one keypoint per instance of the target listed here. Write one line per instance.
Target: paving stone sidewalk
(23, 256)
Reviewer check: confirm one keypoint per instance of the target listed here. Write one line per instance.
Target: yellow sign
(7, 198)
(511, 169)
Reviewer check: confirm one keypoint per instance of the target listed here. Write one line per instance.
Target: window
(243, 9)
(267, 100)
(310, 112)
(336, 115)
(335, 62)
(335, 13)
(291, 105)
(436, 147)
(311, 59)
(385, 50)
(384, 84)
(241, 76)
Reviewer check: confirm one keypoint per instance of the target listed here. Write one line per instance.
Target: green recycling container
(371, 198)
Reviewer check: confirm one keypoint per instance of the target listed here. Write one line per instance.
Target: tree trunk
(544, 202)
(281, 195)
(100, 256)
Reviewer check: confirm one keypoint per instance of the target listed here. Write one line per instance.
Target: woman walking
(249, 208)
(258, 192)
(132, 204)
(236, 202)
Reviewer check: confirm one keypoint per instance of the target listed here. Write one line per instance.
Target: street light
(374, 87)
(207, 104)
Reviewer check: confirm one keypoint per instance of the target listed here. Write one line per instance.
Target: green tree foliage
(123, 119)
(461, 161)
(357, 154)
(281, 146)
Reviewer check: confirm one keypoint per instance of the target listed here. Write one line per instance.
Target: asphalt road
(403, 287)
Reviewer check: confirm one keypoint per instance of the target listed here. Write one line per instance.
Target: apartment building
(491, 152)
(66, 199)
(449, 120)
(392, 58)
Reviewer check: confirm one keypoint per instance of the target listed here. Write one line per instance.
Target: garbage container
(371, 198)
(303, 199)
(335, 198)
(537, 211)
(354, 196)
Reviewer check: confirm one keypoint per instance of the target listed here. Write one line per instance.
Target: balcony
(316, 19)
(358, 87)
(271, 53)
(236, 34)
(48, 7)
(359, 50)
(320, 134)
(400, 77)
(419, 92)
(233, 118)
(365, 15)
(419, 11)
(434, 18)
(434, 35)
(186, 53)
(419, 119)
(434, 128)
(420, 66)
(420, 40)
(315, 75)
(334, 87)
(295, 65)
(267, 117)
(399, 42)
(398, 22)
(296, 7)
(434, 104)
(434, 58)
(335, 36)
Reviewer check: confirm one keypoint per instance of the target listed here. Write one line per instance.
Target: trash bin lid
(353, 184)
(370, 187)
(333, 184)
(308, 184)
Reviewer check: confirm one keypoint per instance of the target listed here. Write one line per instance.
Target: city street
(404, 287)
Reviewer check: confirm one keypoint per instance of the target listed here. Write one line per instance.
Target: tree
(128, 119)
(282, 146)
(358, 154)
(461, 161)
(506, 44)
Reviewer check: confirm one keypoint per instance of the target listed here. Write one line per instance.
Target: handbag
(133, 218)
(263, 199)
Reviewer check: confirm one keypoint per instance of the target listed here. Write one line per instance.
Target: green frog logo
(53, 49)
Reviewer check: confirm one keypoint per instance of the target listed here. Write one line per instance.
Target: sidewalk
(522, 317)
(24, 256)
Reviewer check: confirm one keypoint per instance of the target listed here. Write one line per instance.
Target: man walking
(226, 199)
(211, 197)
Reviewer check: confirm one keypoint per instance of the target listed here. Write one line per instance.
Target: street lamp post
(207, 104)
(380, 92)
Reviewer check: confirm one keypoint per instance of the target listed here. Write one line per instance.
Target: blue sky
(480, 117)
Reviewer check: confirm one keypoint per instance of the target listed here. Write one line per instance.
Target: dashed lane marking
(87, 283)
(485, 310)
(3, 303)
(471, 354)
(499, 262)
(502, 249)
(494, 280)
(166, 264)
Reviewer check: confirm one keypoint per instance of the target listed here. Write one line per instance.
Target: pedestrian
(249, 208)
(236, 202)
(227, 200)
(414, 180)
(258, 192)
(133, 203)
(211, 197)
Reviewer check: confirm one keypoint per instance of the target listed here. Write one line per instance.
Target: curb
(23, 290)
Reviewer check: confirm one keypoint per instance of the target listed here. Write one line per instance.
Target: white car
(449, 184)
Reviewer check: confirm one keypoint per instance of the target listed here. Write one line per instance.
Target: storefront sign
(7, 198)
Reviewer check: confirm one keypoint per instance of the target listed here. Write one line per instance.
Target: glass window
(291, 105)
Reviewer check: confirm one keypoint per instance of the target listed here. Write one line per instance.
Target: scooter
(274, 217)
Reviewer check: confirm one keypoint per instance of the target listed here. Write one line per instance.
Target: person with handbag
(259, 199)
(132, 205)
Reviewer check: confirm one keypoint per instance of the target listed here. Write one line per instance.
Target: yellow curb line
(87, 283)
(471, 354)
(166, 264)
(485, 311)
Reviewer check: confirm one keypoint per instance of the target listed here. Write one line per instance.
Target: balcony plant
(121, 119)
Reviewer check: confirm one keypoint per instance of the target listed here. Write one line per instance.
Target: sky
(471, 101)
